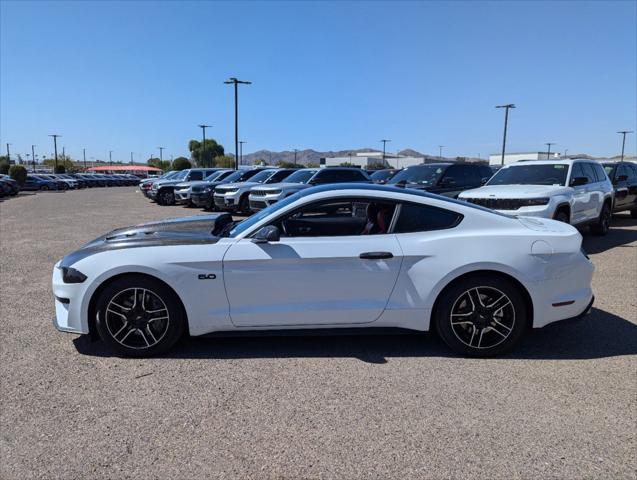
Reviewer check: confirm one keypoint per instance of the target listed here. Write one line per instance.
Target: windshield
(382, 175)
(262, 176)
(180, 176)
(214, 175)
(421, 175)
(302, 176)
(545, 174)
(240, 227)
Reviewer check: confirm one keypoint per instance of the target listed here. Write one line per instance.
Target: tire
(44, 187)
(492, 328)
(167, 197)
(562, 216)
(244, 204)
(633, 213)
(139, 316)
(602, 225)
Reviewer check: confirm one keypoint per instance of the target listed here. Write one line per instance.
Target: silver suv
(262, 197)
(233, 197)
(574, 191)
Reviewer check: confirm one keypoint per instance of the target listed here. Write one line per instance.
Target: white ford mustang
(336, 256)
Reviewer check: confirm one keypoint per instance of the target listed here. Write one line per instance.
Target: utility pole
(241, 151)
(84, 155)
(548, 152)
(33, 156)
(440, 147)
(384, 144)
(8, 154)
(131, 158)
(203, 146)
(623, 133)
(55, 147)
(506, 122)
(295, 151)
(236, 83)
(110, 157)
(161, 157)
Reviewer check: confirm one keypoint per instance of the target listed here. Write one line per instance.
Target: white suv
(573, 191)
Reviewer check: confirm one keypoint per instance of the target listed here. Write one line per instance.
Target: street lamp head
(624, 132)
(204, 126)
(508, 105)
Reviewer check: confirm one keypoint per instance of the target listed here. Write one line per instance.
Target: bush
(181, 163)
(4, 167)
(224, 161)
(18, 173)
(59, 169)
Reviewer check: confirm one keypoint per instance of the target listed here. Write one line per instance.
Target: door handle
(375, 255)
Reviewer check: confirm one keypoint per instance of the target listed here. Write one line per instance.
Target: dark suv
(448, 179)
(623, 176)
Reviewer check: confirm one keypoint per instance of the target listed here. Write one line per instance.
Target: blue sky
(131, 76)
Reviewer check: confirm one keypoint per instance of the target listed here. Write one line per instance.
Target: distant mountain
(309, 156)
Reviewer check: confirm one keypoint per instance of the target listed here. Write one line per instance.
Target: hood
(194, 230)
(284, 186)
(514, 191)
(241, 184)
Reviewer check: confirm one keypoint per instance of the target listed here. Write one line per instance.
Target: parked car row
(575, 191)
(72, 181)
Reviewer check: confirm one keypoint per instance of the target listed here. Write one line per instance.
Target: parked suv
(202, 192)
(261, 197)
(146, 184)
(163, 191)
(623, 176)
(233, 197)
(573, 191)
(448, 179)
(184, 189)
(10, 186)
(34, 182)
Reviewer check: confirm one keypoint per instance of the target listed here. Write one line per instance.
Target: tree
(286, 164)
(181, 163)
(18, 173)
(4, 165)
(376, 166)
(59, 169)
(347, 164)
(64, 161)
(312, 165)
(204, 156)
(157, 163)
(224, 161)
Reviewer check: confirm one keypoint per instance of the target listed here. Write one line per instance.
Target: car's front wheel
(481, 315)
(139, 316)
(44, 187)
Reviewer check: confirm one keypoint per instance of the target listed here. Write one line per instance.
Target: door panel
(310, 281)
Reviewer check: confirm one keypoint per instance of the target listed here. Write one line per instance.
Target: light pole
(236, 83)
(548, 152)
(565, 152)
(440, 147)
(506, 122)
(295, 151)
(241, 151)
(384, 144)
(623, 133)
(161, 155)
(84, 155)
(8, 154)
(33, 156)
(55, 147)
(203, 146)
(110, 157)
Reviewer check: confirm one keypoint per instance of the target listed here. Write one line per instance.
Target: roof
(126, 168)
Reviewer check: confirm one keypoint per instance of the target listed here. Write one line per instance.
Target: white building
(496, 158)
(365, 159)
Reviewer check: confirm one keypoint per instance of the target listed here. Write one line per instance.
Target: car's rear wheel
(44, 187)
(481, 315)
(138, 316)
(602, 226)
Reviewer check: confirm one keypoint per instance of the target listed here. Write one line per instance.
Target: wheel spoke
(156, 319)
(121, 307)
(150, 332)
(131, 330)
(141, 332)
(474, 296)
(480, 339)
(116, 313)
(462, 322)
(508, 329)
(499, 304)
(498, 332)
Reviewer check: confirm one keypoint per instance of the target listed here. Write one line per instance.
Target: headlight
(532, 202)
(231, 192)
(71, 275)
(273, 192)
(207, 190)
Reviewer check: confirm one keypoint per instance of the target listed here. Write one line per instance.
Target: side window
(338, 217)
(632, 175)
(196, 175)
(462, 176)
(352, 176)
(278, 176)
(327, 176)
(601, 175)
(424, 218)
(576, 171)
(587, 168)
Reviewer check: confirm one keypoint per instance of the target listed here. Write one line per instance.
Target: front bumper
(68, 309)
(200, 199)
(259, 202)
(182, 196)
(228, 201)
(543, 211)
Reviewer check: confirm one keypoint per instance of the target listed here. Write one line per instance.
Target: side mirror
(577, 181)
(267, 234)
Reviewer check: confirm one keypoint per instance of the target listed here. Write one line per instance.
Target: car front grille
(500, 203)
(262, 193)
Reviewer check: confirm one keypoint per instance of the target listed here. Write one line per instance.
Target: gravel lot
(563, 405)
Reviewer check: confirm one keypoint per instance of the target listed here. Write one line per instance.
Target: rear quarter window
(424, 218)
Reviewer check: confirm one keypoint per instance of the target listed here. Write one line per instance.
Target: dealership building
(366, 159)
(496, 158)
